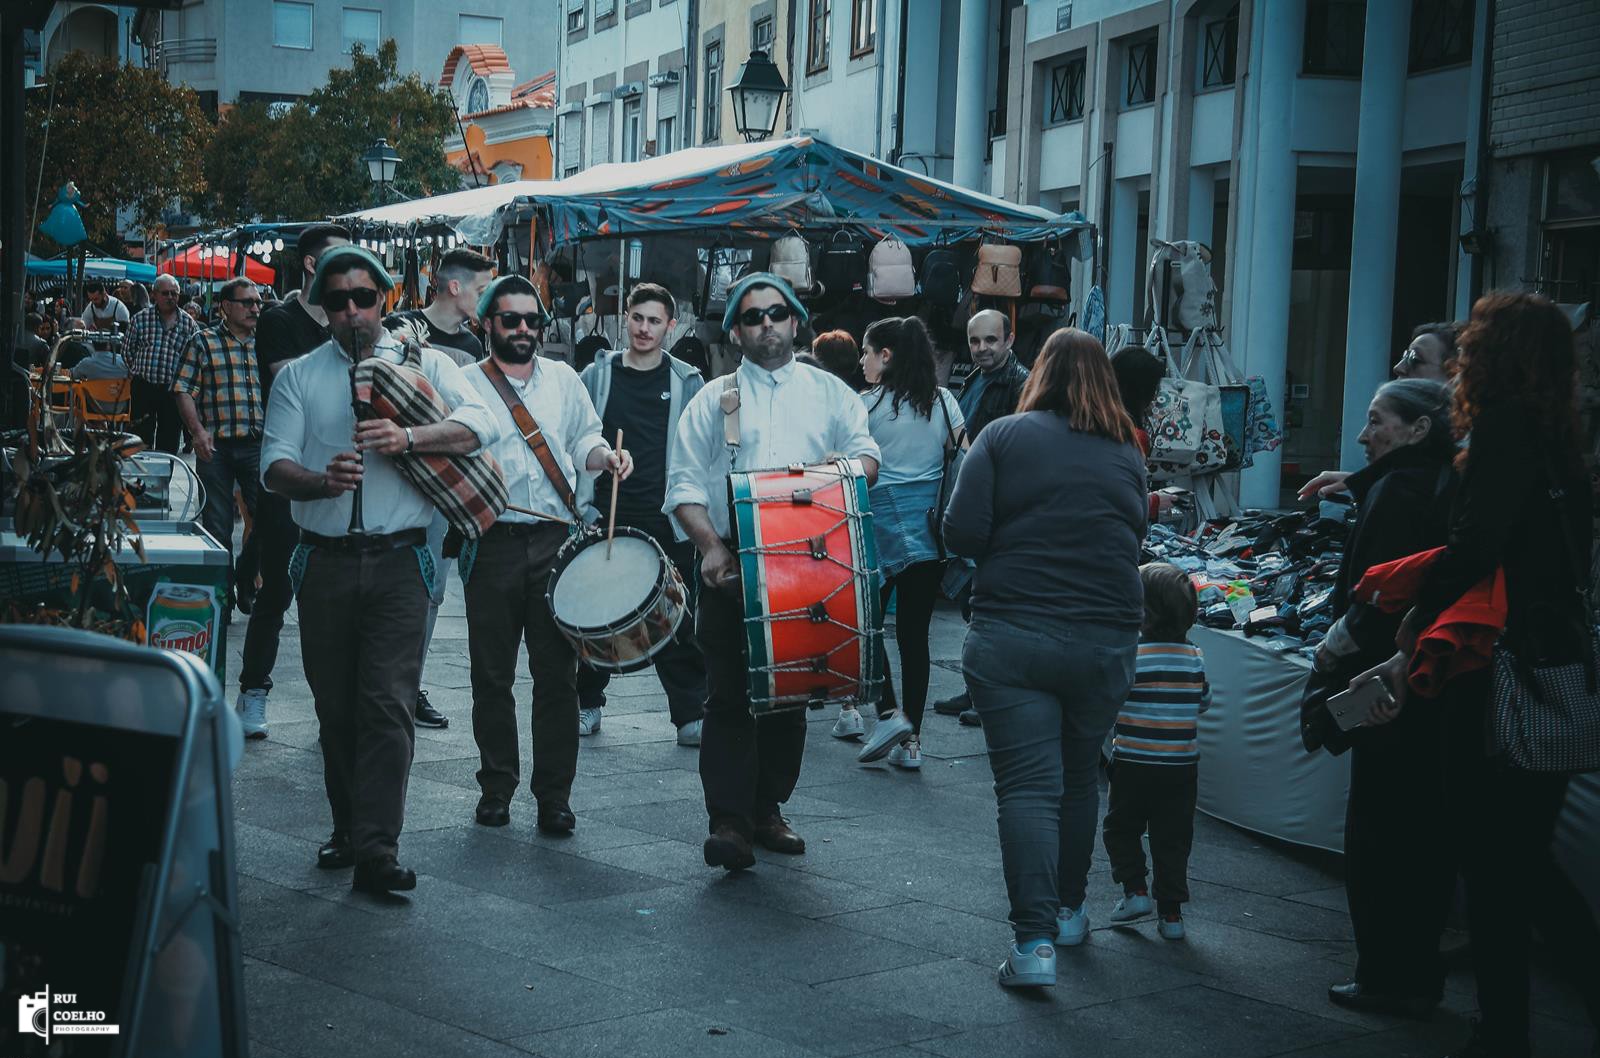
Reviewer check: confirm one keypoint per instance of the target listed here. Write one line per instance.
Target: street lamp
(381, 161)
(757, 92)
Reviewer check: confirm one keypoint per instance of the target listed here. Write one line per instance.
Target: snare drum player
(642, 391)
(775, 413)
(506, 576)
(362, 595)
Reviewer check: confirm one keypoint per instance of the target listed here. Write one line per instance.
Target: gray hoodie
(686, 382)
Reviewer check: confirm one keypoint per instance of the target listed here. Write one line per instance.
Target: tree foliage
(126, 136)
(306, 163)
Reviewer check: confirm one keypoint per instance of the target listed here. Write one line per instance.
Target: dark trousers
(506, 607)
(748, 766)
(915, 589)
(1501, 823)
(680, 667)
(1393, 842)
(155, 415)
(1159, 798)
(234, 463)
(361, 618)
(273, 540)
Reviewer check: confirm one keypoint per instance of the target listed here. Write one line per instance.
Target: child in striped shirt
(1154, 769)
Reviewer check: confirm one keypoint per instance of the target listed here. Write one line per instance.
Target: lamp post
(381, 161)
(757, 93)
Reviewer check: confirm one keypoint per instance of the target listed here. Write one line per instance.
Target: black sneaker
(970, 718)
(953, 706)
(427, 715)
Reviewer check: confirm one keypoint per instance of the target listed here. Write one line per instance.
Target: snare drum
(809, 579)
(618, 611)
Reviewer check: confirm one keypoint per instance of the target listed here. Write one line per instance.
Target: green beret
(335, 253)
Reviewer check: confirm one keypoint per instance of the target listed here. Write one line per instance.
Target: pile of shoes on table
(1267, 574)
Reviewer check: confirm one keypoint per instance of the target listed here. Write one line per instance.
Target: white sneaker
(252, 708)
(1170, 927)
(1135, 907)
(1035, 969)
(689, 734)
(849, 724)
(588, 721)
(907, 755)
(1072, 926)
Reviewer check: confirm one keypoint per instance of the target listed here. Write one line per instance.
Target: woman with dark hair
(1051, 505)
(915, 422)
(1396, 794)
(1523, 506)
(1431, 353)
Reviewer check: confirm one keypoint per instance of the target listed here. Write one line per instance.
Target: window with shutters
(819, 35)
(577, 15)
(713, 105)
(480, 29)
(571, 143)
(291, 24)
(762, 35)
(362, 26)
(600, 134)
(1139, 73)
(1064, 101)
(667, 119)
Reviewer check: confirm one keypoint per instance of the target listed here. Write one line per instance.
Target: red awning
(190, 264)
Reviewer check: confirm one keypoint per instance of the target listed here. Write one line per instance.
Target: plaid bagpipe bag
(469, 490)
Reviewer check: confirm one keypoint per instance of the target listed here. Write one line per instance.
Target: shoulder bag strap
(730, 408)
(532, 434)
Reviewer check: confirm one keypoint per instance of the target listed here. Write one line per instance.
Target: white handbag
(890, 274)
(791, 259)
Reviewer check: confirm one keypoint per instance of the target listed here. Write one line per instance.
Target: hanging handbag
(954, 456)
(1546, 717)
(941, 277)
(999, 272)
(1261, 432)
(791, 259)
(841, 266)
(1049, 276)
(889, 272)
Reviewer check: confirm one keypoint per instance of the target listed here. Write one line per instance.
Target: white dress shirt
(309, 421)
(560, 404)
(796, 414)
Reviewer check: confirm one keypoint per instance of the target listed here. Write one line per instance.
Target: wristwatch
(410, 440)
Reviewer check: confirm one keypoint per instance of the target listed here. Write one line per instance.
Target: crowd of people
(1030, 484)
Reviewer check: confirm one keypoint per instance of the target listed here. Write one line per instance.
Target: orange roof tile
(486, 60)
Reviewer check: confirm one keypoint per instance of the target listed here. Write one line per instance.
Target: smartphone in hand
(1350, 708)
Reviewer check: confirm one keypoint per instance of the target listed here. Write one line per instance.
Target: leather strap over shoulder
(532, 434)
(730, 409)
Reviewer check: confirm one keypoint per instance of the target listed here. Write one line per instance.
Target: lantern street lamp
(381, 161)
(757, 92)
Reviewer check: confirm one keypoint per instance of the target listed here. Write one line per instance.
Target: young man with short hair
(459, 280)
(104, 311)
(642, 391)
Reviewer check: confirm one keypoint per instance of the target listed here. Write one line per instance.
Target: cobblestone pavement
(883, 939)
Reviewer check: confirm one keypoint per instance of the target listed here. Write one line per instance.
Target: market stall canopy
(768, 188)
(470, 214)
(94, 268)
(196, 263)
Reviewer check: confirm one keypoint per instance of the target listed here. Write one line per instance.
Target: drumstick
(611, 521)
(538, 514)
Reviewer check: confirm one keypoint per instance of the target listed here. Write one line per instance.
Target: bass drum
(808, 567)
(618, 609)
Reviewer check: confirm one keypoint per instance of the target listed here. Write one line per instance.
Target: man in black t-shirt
(285, 331)
(642, 391)
(459, 281)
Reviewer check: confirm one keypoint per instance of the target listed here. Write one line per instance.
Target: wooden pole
(616, 486)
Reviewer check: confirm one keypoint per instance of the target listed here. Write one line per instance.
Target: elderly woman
(1396, 772)
(1051, 505)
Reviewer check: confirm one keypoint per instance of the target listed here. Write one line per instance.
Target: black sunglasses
(339, 300)
(775, 313)
(535, 320)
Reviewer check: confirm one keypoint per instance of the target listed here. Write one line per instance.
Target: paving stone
(282, 859)
(518, 870)
(952, 992)
(826, 1022)
(661, 1034)
(456, 982)
(941, 929)
(272, 914)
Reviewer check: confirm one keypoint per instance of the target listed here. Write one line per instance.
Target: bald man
(993, 389)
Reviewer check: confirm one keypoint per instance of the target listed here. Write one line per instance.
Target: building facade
(505, 127)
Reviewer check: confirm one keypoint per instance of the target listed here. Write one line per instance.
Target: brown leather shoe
(727, 848)
(774, 833)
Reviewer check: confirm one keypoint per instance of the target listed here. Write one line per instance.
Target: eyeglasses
(775, 313)
(248, 301)
(339, 300)
(535, 321)
(165, 293)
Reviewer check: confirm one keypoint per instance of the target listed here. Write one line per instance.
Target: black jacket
(1505, 516)
(999, 397)
(1402, 507)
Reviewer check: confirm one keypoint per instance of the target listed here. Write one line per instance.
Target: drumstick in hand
(611, 522)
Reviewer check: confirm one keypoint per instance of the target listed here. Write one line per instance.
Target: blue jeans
(233, 463)
(1048, 693)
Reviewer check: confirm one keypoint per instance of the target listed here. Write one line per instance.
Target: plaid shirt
(152, 351)
(219, 372)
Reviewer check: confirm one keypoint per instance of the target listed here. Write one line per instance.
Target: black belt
(366, 541)
(518, 529)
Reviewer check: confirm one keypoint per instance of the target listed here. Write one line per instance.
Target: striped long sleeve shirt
(1157, 724)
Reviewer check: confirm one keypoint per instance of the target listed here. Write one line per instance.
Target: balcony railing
(186, 50)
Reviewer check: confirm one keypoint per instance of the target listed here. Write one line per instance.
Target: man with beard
(509, 568)
(363, 595)
(787, 413)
